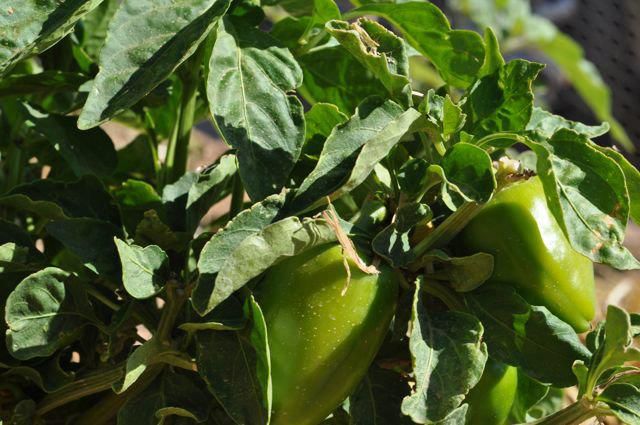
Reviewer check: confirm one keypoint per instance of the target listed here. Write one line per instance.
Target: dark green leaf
(529, 393)
(86, 152)
(250, 75)
(44, 83)
(526, 336)
(31, 26)
(463, 274)
(147, 40)
(333, 75)
(546, 124)
(624, 401)
(448, 360)
(178, 394)
(378, 398)
(94, 27)
(91, 240)
(393, 241)
(51, 199)
(48, 376)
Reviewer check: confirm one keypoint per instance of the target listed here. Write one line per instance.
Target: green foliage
(123, 301)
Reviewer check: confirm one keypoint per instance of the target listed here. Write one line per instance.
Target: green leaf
(470, 169)
(323, 11)
(624, 402)
(146, 42)
(448, 359)
(94, 27)
(250, 75)
(528, 394)
(179, 394)
(44, 313)
(502, 101)
(260, 342)
(90, 152)
(547, 124)
(378, 398)
(48, 376)
(144, 270)
(526, 336)
(219, 249)
(632, 178)
(333, 75)
(189, 199)
(227, 362)
(52, 199)
(587, 193)
(228, 316)
(91, 240)
(135, 198)
(493, 59)
(43, 83)
(457, 54)
(259, 251)
(138, 362)
(29, 27)
(378, 50)
(393, 242)
(353, 149)
(463, 274)
(151, 230)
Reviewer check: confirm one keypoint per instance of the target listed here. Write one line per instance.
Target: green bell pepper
(532, 254)
(322, 341)
(491, 399)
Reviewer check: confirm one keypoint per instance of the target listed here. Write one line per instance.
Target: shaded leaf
(448, 359)
(43, 83)
(526, 336)
(378, 398)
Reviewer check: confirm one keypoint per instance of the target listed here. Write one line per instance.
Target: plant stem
(443, 294)
(176, 298)
(574, 414)
(237, 197)
(90, 384)
(448, 229)
(178, 148)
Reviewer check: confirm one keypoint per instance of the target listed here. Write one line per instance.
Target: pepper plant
(393, 253)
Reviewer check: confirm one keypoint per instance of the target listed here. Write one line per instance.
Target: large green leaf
(378, 398)
(333, 75)
(526, 336)
(587, 192)
(448, 359)
(31, 26)
(219, 249)
(353, 149)
(457, 54)
(258, 252)
(44, 313)
(176, 394)
(249, 77)
(43, 83)
(147, 40)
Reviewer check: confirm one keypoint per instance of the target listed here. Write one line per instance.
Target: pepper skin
(532, 254)
(491, 399)
(322, 342)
